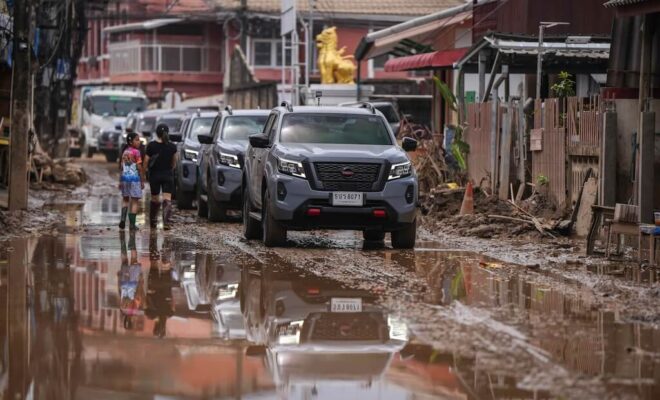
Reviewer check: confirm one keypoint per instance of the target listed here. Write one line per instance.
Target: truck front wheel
(111, 156)
(274, 235)
(405, 238)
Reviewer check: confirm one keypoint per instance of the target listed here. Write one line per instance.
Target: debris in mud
(29, 222)
(493, 218)
(60, 170)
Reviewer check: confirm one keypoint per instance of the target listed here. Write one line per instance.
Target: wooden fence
(478, 135)
(564, 143)
(549, 156)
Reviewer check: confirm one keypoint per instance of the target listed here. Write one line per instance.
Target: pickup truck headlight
(289, 167)
(190, 155)
(229, 160)
(400, 170)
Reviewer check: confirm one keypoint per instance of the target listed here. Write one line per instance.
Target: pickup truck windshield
(147, 124)
(116, 106)
(174, 124)
(240, 127)
(200, 126)
(334, 129)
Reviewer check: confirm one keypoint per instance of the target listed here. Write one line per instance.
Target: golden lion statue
(334, 66)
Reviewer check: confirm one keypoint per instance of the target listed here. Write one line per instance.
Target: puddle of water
(93, 313)
(563, 319)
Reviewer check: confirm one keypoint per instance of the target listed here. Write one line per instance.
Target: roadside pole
(20, 117)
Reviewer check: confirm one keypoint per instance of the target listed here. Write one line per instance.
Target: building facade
(181, 46)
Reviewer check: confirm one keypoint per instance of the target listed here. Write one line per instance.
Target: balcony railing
(132, 57)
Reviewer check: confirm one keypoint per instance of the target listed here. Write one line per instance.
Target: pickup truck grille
(351, 177)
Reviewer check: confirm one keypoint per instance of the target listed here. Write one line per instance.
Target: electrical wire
(59, 39)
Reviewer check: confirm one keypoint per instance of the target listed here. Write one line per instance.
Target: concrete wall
(627, 124)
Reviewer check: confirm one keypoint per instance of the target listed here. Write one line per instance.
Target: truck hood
(343, 151)
(234, 146)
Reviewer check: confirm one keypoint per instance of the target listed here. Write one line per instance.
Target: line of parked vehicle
(292, 168)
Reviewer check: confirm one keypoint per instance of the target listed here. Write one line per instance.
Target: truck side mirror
(409, 144)
(205, 139)
(259, 141)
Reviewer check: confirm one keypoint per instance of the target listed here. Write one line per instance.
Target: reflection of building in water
(564, 320)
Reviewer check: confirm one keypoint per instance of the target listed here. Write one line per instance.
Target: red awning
(437, 59)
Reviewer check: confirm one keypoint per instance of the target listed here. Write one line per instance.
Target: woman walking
(160, 159)
(131, 180)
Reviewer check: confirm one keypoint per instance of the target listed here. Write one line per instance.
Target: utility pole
(312, 39)
(20, 117)
(539, 58)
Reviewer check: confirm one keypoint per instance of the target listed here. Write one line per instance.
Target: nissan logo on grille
(347, 172)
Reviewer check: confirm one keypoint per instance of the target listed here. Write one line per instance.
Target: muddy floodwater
(93, 313)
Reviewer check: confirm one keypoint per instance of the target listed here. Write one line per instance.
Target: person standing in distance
(160, 159)
(131, 180)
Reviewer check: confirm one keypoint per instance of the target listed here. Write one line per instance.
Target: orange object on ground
(468, 200)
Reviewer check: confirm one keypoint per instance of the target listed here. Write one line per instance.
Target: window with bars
(267, 53)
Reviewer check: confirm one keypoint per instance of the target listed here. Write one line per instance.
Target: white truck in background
(102, 109)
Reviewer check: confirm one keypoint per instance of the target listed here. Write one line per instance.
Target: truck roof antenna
(288, 106)
(229, 110)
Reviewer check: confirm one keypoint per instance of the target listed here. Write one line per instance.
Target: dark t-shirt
(163, 163)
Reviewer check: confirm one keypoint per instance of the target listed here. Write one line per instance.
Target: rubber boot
(133, 227)
(167, 214)
(122, 219)
(153, 214)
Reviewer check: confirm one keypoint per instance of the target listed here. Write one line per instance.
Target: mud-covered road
(210, 315)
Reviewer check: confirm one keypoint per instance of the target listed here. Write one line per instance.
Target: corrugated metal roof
(619, 3)
(333, 7)
(559, 49)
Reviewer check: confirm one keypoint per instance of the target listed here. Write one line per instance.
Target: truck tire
(273, 233)
(90, 152)
(184, 200)
(74, 153)
(202, 210)
(405, 238)
(217, 212)
(373, 235)
(251, 227)
(111, 156)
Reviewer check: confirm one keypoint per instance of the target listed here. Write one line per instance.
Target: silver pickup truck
(329, 168)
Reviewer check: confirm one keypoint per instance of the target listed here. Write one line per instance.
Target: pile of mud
(20, 223)
(440, 211)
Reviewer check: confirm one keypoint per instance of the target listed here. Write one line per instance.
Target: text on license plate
(346, 305)
(347, 199)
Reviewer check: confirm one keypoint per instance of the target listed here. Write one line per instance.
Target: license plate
(352, 199)
(346, 305)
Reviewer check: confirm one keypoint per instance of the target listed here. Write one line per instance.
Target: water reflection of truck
(318, 338)
(103, 110)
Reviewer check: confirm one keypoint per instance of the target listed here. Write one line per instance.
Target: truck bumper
(227, 185)
(188, 176)
(398, 200)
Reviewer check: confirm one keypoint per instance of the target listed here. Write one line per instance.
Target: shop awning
(436, 59)
(413, 35)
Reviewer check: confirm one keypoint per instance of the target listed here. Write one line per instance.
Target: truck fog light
(313, 212)
(410, 194)
(281, 191)
(380, 213)
(221, 178)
